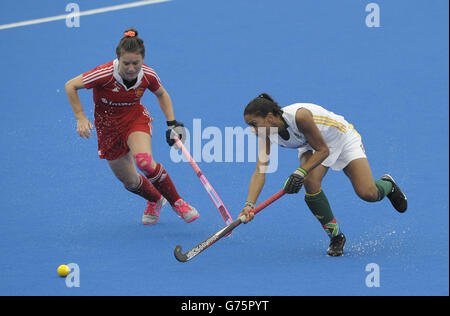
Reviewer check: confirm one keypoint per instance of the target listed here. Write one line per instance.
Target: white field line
(82, 13)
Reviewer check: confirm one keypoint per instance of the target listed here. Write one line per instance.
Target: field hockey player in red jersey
(124, 126)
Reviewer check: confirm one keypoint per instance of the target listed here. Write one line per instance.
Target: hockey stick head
(179, 255)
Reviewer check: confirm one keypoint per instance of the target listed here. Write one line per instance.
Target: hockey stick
(184, 257)
(208, 187)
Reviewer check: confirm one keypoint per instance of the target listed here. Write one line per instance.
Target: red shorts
(113, 132)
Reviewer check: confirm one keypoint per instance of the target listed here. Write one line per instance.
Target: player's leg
(125, 170)
(140, 146)
(318, 204)
(316, 199)
(370, 190)
(360, 175)
(141, 149)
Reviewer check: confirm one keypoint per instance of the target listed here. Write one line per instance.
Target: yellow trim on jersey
(351, 127)
(342, 128)
(325, 120)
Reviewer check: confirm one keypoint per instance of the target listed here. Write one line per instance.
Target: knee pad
(143, 162)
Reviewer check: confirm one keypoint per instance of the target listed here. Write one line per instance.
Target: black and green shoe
(396, 196)
(336, 247)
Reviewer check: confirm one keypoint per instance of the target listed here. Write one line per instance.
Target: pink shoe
(151, 214)
(187, 212)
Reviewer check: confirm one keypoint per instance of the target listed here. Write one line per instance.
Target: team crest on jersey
(140, 92)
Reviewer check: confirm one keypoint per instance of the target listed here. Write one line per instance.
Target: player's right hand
(295, 181)
(84, 127)
(248, 216)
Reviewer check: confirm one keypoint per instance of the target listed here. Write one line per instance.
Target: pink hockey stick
(212, 193)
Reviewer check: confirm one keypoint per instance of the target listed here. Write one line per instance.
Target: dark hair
(262, 105)
(131, 43)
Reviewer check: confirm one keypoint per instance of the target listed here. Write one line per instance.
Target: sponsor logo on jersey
(110, 103)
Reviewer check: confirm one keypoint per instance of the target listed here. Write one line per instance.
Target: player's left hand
(246, 214)
(84, 127)
(295, 181)
(177, 129)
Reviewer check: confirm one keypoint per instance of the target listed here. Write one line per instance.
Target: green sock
(320, 207)
(384, 187)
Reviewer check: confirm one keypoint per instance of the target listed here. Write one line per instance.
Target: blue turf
(61, 204)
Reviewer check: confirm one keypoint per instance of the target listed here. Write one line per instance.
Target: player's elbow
(161, 93)
(74, 84)
(70, 86)
(325, 152)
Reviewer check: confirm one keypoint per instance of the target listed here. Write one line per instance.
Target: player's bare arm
(258, 178)
(165, 102)
(84, 127)
(308, 127)
(175, 128)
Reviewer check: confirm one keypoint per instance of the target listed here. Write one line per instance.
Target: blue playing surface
(61, 204)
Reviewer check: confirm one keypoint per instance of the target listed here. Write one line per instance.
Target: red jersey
(118, 109)
(111, 97)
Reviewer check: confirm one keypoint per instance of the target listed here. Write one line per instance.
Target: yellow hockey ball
(63, 270)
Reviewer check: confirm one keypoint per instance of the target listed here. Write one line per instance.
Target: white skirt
(342, 152)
